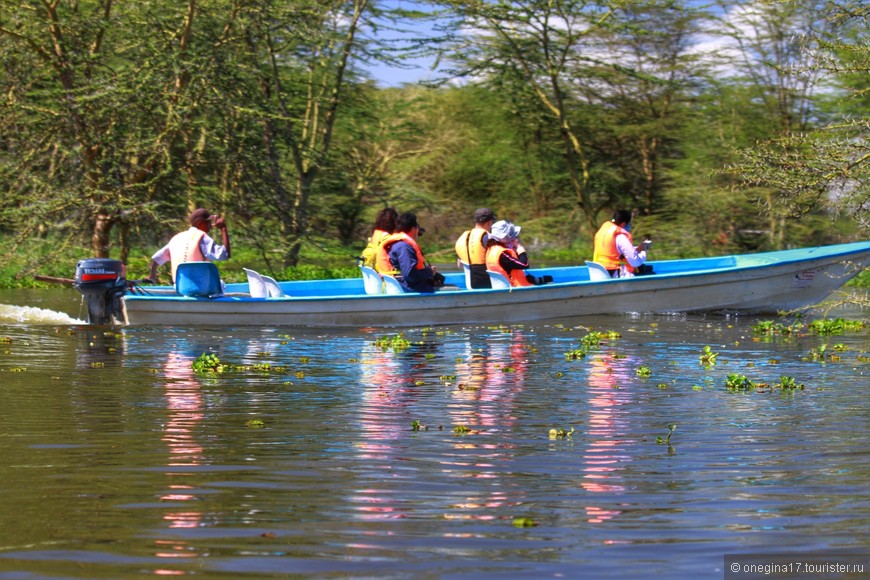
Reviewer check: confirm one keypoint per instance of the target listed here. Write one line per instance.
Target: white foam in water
(31, 315)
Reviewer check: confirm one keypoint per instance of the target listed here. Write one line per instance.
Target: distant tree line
(727, 126)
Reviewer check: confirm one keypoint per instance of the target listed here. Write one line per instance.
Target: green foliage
(707, 356)
(739, 382)
(208, 363)
(667, 439)
(827, 327)
(396, 342)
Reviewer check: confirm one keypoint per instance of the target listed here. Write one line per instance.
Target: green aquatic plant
(707, 356)
(418, 426)
(738, 382)
(461, 430)
(773, 328)
(396, 343)
(789, 384)
(560, 433)
(524, 523)
(575, 354)
(643, 371)
(208, 363)
(827, 327)
(255, 424)
(667, 439)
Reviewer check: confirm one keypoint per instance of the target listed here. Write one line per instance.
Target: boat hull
(754, 283)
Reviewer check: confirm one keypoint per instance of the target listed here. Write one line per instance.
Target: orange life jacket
(383, 264)
(469, 247)
(517, 276)
(604, 251)
(184, 247)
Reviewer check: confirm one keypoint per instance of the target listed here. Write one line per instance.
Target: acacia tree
(545, 42)
(608, 73)
(99, 119)
(828, 166)
(772, 55)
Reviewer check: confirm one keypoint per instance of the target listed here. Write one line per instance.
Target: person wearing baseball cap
(471, 247)
(194, 244)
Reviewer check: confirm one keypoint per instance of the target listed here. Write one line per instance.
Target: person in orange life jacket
(193, 245)
(614, 249)
(385, 224)
(401, 255)
(472, 244)
(501, 256)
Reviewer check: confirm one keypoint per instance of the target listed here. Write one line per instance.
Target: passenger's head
(504, 232)
(621, 217)
(484, 217)
(386, 219)
(201, 218)
(407, 222)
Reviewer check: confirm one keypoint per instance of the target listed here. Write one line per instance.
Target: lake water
(327, 455)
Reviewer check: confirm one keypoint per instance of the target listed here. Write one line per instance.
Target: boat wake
(30, 315)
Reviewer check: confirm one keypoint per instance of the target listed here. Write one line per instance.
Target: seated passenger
(385, 224)
(400, 256)
(614, 249)
(502, 257)
(471, 247)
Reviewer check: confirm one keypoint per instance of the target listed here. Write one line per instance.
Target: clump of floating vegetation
(208, 363)
(397, 342)
(737, 382)
(643, 371)
(560, 433)
(590, 341)
(827, 327)
(707, 356)
(667, 439)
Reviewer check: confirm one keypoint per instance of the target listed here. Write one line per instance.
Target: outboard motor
(102, 282)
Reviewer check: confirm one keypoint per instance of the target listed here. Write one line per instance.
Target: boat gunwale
(806, 256)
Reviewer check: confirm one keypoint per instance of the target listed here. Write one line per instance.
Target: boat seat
(372, 281)
(273, 288)
(391, 285)
(498, 280)
(256, 284)
(597, 272)
(198, 279)
(467, 269)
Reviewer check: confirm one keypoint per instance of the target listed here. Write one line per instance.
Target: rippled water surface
(327, 455)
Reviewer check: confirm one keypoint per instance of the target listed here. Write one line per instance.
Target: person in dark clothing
(406, 258)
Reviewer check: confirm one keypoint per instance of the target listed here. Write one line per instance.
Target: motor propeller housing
(102, 282)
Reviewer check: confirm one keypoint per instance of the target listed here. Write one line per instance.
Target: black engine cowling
(102, 282)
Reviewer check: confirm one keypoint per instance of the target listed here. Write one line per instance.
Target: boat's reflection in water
(603, 457)
(185, 411)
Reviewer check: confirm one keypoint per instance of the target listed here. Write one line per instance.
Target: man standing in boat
(614, 249)
(194, 244)
(400, 256)
(472, 244)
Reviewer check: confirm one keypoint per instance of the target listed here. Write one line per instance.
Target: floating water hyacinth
(667, 440)
(208, 363)
(708, 357)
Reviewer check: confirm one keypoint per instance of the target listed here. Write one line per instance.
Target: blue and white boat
(750, 283)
